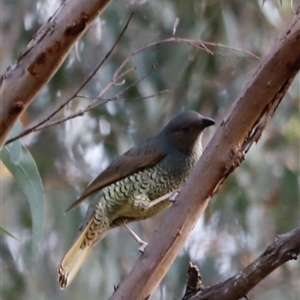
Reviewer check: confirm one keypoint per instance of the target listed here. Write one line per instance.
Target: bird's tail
(74, 258)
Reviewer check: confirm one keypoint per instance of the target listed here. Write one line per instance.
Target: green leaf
(15, 147)
(2, 229)
(25, 172)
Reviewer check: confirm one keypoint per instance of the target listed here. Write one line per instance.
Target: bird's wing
(138, 158)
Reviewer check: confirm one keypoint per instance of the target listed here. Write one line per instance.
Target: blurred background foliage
(257, 202)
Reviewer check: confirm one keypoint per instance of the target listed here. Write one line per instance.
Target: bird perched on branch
(138, 185)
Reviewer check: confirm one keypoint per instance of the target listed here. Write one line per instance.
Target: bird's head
(185, 130)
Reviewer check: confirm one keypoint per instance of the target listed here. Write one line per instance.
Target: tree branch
(249, 114)
(43, 56)
(284, 248)
(47, 122)
(41, 125)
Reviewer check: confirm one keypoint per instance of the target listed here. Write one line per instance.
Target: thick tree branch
(248, 116)
(284, 248)
(42, 57)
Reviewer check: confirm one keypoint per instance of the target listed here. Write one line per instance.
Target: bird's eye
(186, 129)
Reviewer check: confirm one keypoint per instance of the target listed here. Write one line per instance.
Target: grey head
(183, 133)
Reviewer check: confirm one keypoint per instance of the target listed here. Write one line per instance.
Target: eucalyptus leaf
(25, 172)
(15, 147)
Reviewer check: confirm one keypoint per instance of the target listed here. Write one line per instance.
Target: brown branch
(39, 126)
(224, 153)
(90, 107)
(117, 76)
(284, 248)
(193, 43)
(43, 56)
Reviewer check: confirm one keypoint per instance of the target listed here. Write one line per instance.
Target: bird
(136, 186)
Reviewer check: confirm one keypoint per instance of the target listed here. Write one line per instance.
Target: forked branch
(284, 248)
(117, 79)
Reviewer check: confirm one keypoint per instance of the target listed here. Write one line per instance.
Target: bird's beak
(208, 122)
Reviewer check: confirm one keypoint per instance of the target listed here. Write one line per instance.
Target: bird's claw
(143, 246)
(174, 196)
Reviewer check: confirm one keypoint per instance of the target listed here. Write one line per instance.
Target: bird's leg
(170, 196)
(142, 202)
(142, 244)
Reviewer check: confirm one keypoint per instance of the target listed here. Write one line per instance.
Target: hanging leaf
(24, 170)
(15, 147)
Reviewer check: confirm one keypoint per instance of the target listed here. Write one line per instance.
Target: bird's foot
(174, 196)
(143, 246)
(169, 196)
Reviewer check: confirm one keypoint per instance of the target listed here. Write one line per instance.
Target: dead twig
(194, 282)
(33, 128)
(90, 107)
(117, 80)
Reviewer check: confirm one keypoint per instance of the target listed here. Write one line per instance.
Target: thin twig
(193, 43)
(104, 101)
(92, 106)
(117, 76)
(136, 82)
(32, 129)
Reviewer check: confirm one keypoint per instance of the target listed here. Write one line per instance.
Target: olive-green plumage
(125, 189)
